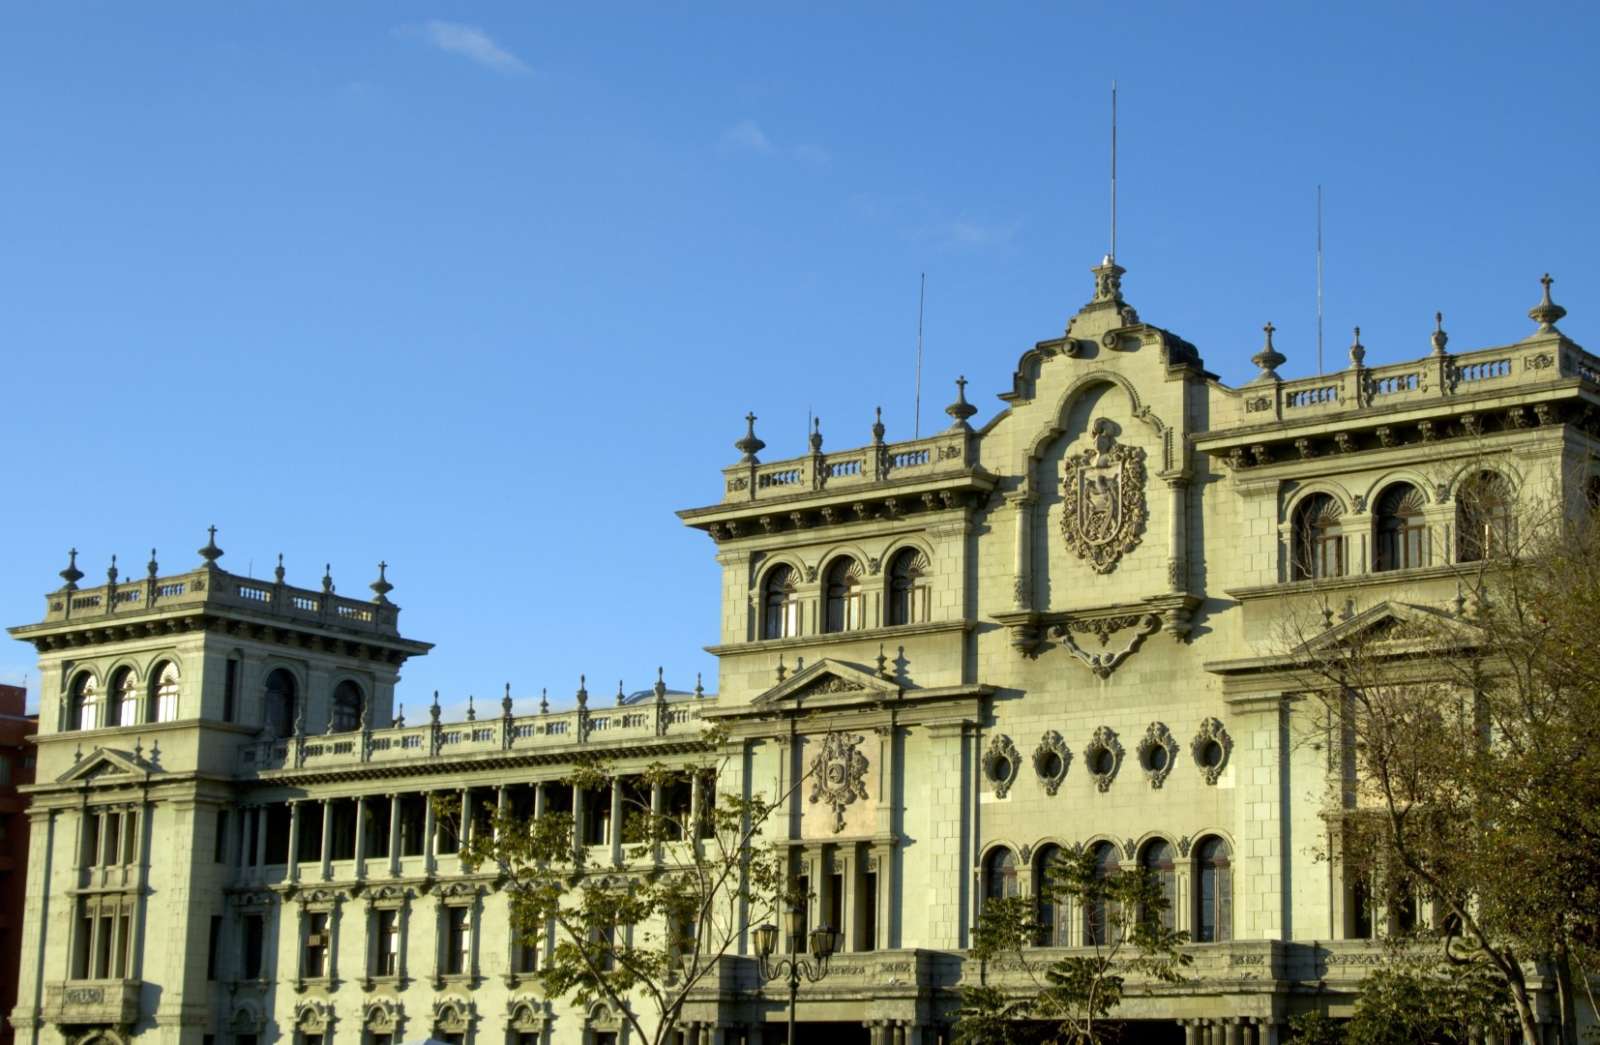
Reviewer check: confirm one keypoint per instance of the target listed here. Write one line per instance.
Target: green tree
(642, 935)
(1078, 993)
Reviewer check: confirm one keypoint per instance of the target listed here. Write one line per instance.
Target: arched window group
(1318, 547)
(1209, 865)
(124, 703)
(848, 601)
(1401, 536)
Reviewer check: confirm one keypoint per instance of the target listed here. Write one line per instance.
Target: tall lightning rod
(916, 413)
(1319, 280)
(1113, 254)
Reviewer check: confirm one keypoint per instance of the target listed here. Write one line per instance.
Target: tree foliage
(1076, 994)
(642, 934)
(1470, 738)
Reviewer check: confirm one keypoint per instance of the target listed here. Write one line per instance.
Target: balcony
(92, 1001)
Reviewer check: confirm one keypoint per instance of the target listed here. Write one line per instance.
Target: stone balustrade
(860, 468)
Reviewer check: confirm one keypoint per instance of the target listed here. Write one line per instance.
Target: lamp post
(824, 942)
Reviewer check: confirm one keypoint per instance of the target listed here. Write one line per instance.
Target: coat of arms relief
(839, 774)
(1105, 509)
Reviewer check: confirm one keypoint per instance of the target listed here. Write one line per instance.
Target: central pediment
(106, 765)
(833, 681)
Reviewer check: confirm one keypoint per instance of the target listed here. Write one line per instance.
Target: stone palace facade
(1056, 629)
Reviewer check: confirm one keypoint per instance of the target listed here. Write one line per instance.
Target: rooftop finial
(400, 717)
(882, 662)
(211, 553)
(1358, 351)
(877, 425)
(1269, 359)
(433, 709)
(782, 671)
(111, 572)
(505, 702)
(960, 410)
(816, 435)
(699, 688)
(661, 686)
(327, 578)
(1546, 313)
(583, 692)
(1439, 337)
(544, 700)
(381, 586)
(278, 573)
(620, 696)
(749, 445)
(151, 566)
(72, 575)
(472, 712)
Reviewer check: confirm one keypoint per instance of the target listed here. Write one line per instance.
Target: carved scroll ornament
(839, 774)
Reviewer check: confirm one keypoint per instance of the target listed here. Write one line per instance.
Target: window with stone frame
(1401, 535)
(1316, 545)
(1000, 874)
(163, 704)
(1097, 913)
(1213, 891)
(110, 837)
(844, 599)
(908, 587)
(252, 944)
(346, 710)
(103, 928)
(386, 923)
(83, 702)
(316, 951)
(1050, 910)
(125, 698)
(1156, 858)
(1485, 524)
(456, 957)
(281, 703)
(780, 605)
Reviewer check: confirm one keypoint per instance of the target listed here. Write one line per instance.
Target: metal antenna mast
(1319, 280)
(1113, 254)
(916, 414)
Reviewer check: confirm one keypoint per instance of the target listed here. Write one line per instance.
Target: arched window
(1401, 534)
(1156, 859)
(1213, 892)
(780, 610)
(1317, 547)
(281, 707)
(346, 707)
(1000, 874)
(844, 602)
(1483, 517)
(125, 697)
(1360, 915)
(163, 706)
(908, 591)
(83, 703)
(1052, 910)
(1097, 911)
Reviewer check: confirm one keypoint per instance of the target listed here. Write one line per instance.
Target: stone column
(1191, 1032)
(578, 804)
(875, 1030)
(1022, 558)
(327, 837)
(1177, 548)
(499, 810)
(261, 835)
(430, 828)
(294, 840)
(361, 836)
(464, 829)
(394, 836)
(695, 798)
(1232, 1030)
(899, 1027)
(616, 821)
(242, 849)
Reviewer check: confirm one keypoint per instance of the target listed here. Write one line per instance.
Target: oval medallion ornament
(1105, 507)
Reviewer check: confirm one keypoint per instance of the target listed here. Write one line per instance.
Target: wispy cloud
(966, 232)
(469, 42)
(745, 136)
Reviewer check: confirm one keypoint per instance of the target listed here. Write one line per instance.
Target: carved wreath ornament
(1105, 505)
(839, 774)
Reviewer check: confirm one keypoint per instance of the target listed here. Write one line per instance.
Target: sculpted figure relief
(1105, 508)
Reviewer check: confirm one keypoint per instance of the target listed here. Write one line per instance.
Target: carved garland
(1157, 753)
(1103, 664)
(1105, 508)
(1102, 757)
(839, 774)
(1000, 764)
(1050, 761)
(1211, 747)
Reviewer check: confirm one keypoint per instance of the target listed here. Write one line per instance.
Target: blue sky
(485, 290)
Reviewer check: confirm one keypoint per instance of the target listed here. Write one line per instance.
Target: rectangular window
(315, 964)
(230, 689)
(413, 824)
(458, 941)
(310, 832)
(212, 943)
(386, 926)
(526, 958)
(868, 906)
(219, 844)
(836, 901)
(708, 804)
(277, 847)
(254, 940)
(91, 839)
(375, 829)
(802, 887)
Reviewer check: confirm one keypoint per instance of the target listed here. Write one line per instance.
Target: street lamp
(824, 942)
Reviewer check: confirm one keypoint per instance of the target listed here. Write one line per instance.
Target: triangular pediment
(1387, 622)
(831, 679)
(105, 765)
